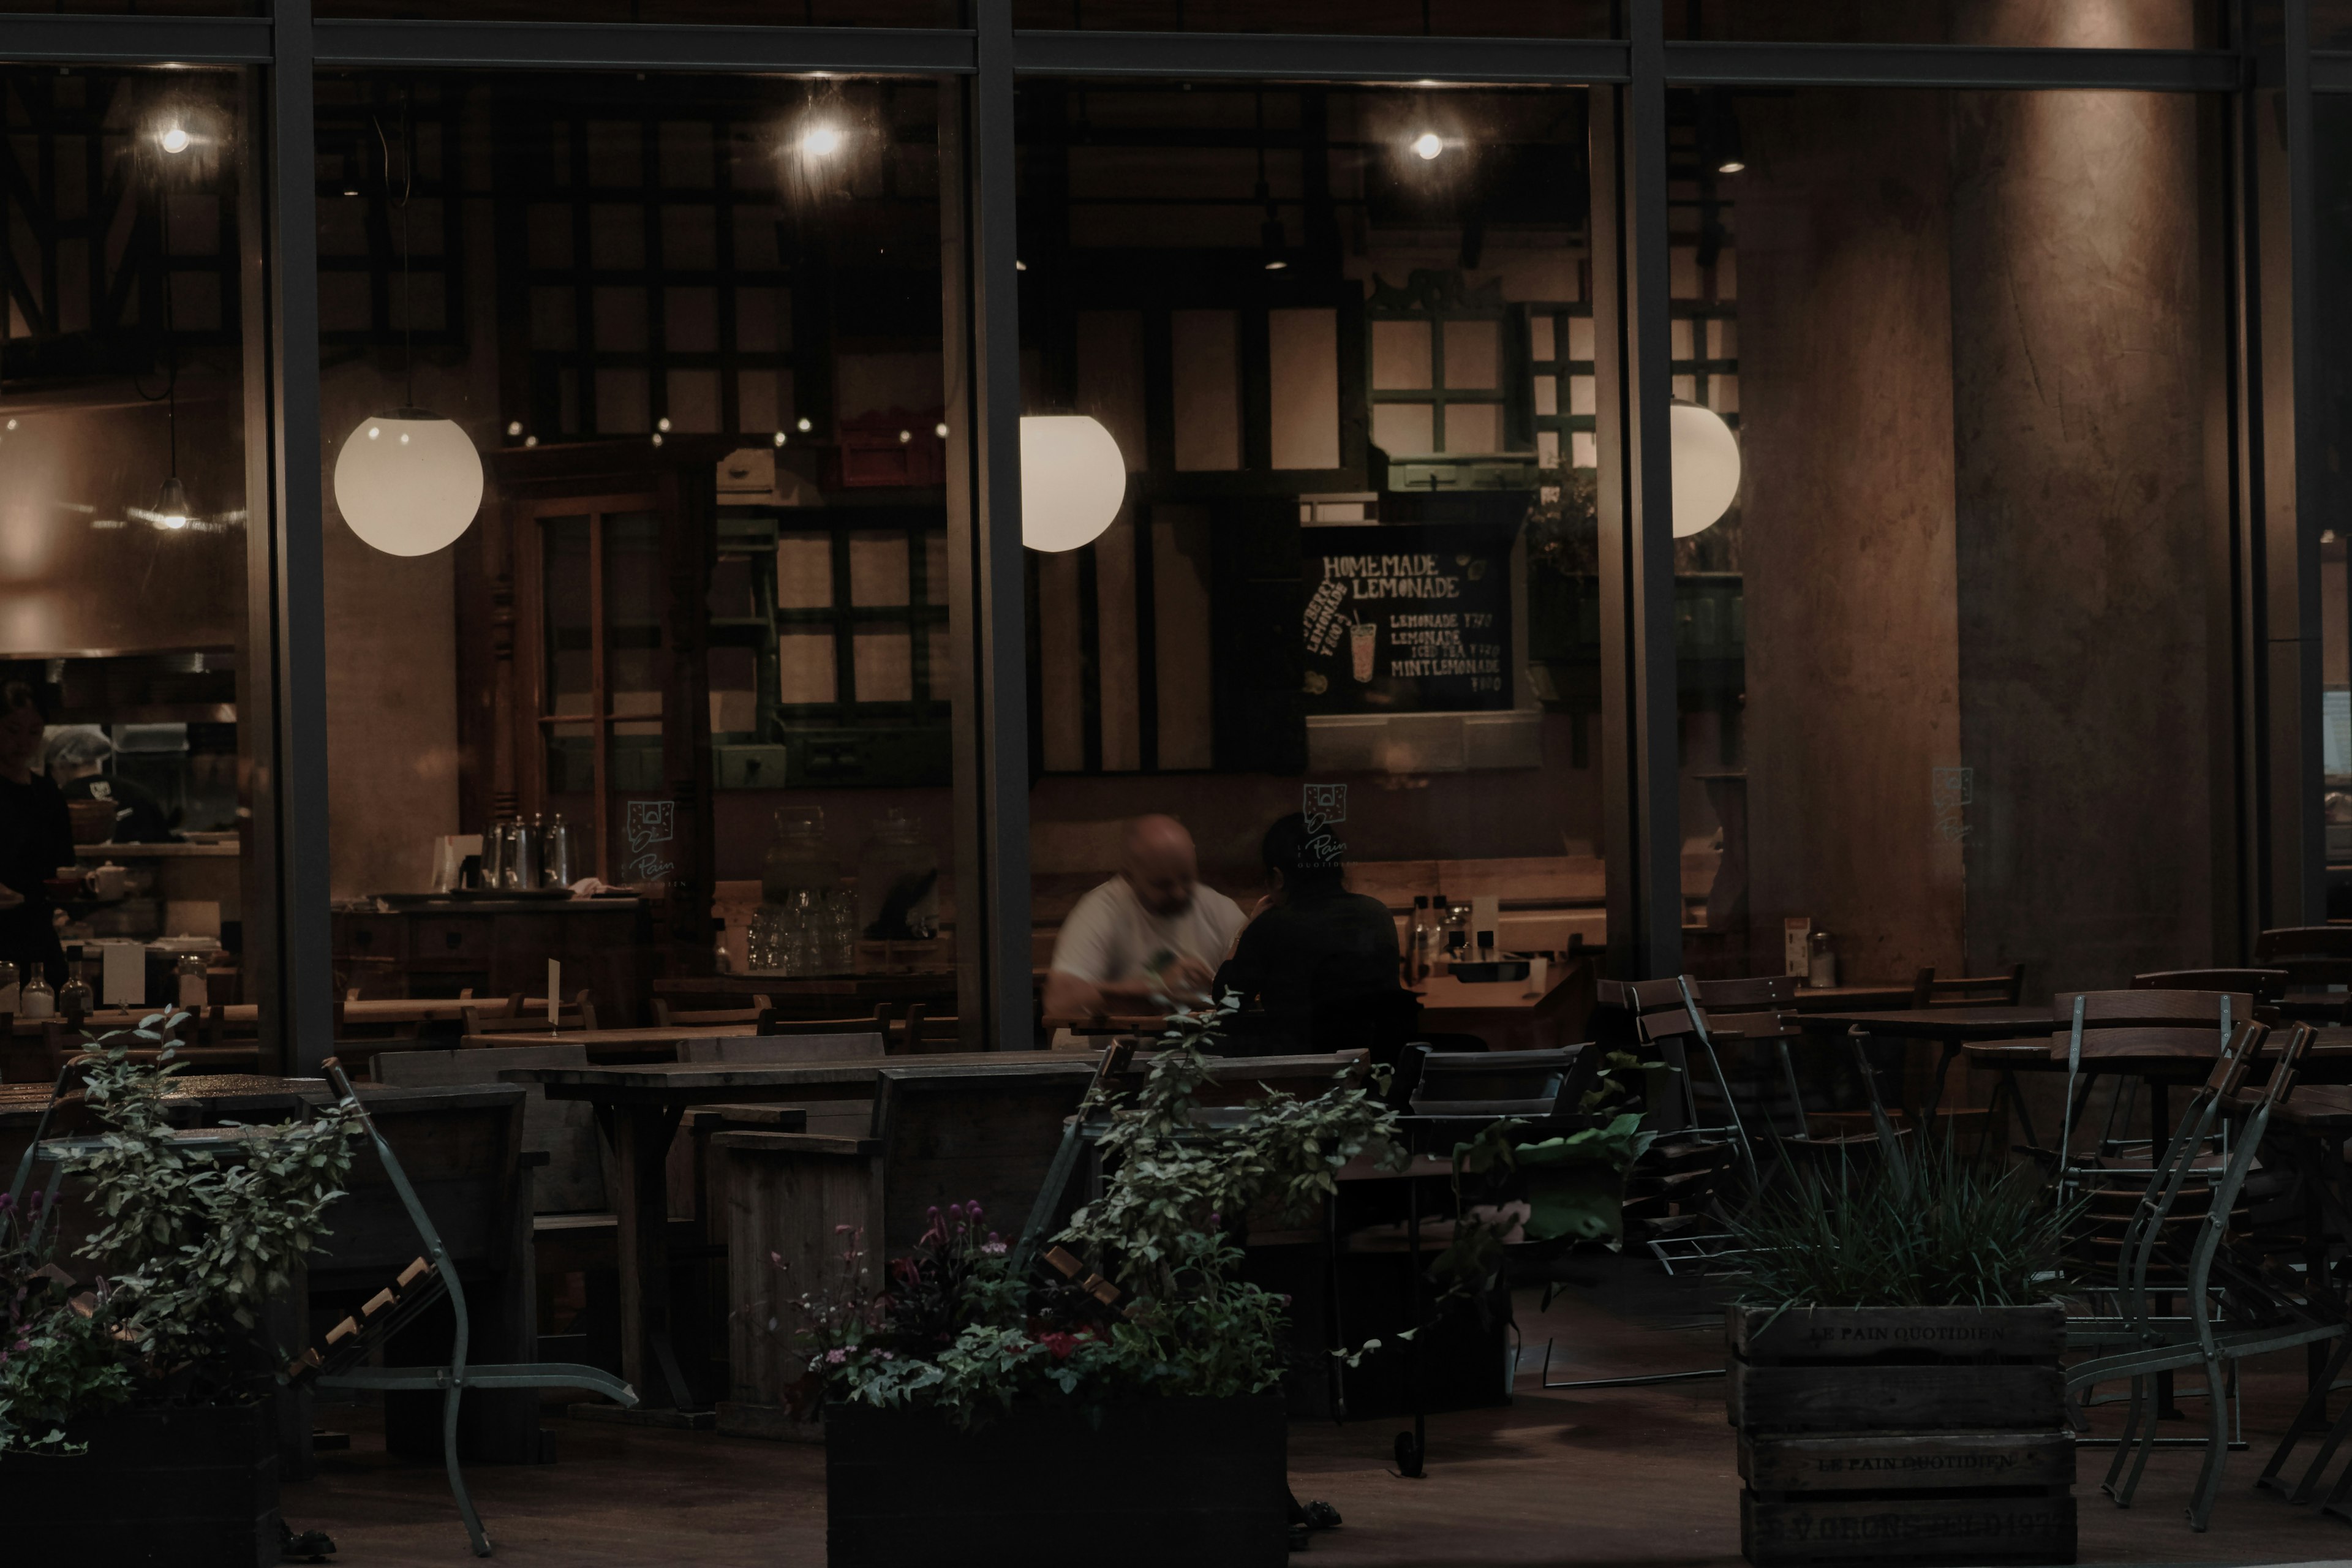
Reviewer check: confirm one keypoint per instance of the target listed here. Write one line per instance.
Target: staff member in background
(36, 840)
(1151, 932)
(78, 761)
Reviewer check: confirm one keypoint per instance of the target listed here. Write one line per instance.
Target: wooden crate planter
(1154, 1483)
(183, 1488)
(1902, 1435)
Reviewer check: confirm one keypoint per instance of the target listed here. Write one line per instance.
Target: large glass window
(690, 660)
(126, 658)
(1952, 667)
(2090, 23)
(1338, 341)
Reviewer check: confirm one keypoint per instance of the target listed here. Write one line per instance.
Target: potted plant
(137, 1423)
(978, 1412)
(1893, 1374)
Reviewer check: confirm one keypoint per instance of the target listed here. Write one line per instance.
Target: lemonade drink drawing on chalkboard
(1412, 619)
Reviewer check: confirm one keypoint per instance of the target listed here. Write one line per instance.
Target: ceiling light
(1427, 145)
(409, 482)
(171, 505)
(780, 437)
(175, 140)
(940, 429)
(1073, 480)
(1731, 166)
(514, 426)
(805, 425)
(905, 437)
(662, 423)
(1019, 265)
(821, 141)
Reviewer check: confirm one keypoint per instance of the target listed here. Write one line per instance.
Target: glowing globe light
(408, 481)
(1073, 480)
(1707, 468)
(1428, 145)
(821, 141)
(175, 140)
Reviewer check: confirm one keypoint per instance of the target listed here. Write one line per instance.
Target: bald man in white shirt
(1151, 935)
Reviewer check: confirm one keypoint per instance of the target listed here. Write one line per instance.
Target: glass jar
(897, 882)
(9, 983)
(1822, 970)
(803, 910)
(36, 1000)
(193, 989)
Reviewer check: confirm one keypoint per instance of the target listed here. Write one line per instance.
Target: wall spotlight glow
(1428, 145)
(821, 141)
(1731, 166)
(176, 139)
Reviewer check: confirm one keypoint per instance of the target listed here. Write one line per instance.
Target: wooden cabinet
(499, 947)
(584, 690)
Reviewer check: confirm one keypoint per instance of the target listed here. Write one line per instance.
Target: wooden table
(639, 1108)
(1950, 1027)
(1506, 1014)
(1839, 998)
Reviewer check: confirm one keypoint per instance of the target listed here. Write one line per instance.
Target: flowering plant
(952, 1325)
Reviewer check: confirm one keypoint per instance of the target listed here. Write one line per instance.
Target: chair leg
(2139, 1463)
(457, 1477)
(2217, 1448)
(2307, 1420)
(2122, 1444)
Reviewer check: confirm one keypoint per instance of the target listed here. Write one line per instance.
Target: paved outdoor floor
(1642, 1476)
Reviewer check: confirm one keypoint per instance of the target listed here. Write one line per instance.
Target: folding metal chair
(337, 1369)
(2260, 1318)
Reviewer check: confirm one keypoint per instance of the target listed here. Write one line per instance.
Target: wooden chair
(845, 1118)
(665, 1016)
(934, 1138)
(2003, 990)
(2314, 957)
(1538, 1086)
(921, 1034)
(1677, 1188)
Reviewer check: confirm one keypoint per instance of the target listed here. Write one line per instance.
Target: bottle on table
(35, 999)
(1417, 940)
(8, 986)
(75, 997)
(1458, 933)
(195, 986)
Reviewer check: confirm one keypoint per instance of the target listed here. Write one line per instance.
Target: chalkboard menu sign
(1412, 618)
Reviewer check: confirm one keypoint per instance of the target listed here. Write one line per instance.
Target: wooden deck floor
(1635, 1476)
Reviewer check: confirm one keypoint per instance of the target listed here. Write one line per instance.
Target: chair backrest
(772, 1023)
(2311, 955)
(666, 1017)
(921, 1032)
(2191, 1024)
(2006, 989)
(1762, 994)
(1495, 1083)
(573, 1179)
(1381, 1022)
(2263, 984)
(749, 1049)
(957, 1137)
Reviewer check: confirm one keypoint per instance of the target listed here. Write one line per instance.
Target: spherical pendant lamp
(408, 481)
(1073, 480)
(1707, 468)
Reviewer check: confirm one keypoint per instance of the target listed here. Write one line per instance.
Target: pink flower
(1061, 1344)
(836, 1356)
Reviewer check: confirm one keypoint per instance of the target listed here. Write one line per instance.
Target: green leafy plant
(950, 1327)
(1919, 1230)
(188, 1246)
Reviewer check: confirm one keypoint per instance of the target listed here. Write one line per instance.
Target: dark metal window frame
(2278, 810)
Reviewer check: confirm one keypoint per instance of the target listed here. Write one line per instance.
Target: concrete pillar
(2079, 403)
(1846, 525)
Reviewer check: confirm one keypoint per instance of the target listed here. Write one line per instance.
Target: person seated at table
(1151, 935)
(1312, 949)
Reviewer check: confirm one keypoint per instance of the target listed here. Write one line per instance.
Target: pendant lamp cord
(170, 395)
(407, 188)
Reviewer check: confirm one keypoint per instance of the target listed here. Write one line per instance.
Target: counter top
(156, 852)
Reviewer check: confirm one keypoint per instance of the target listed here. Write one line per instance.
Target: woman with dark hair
(1313, 948)
(35, 838)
